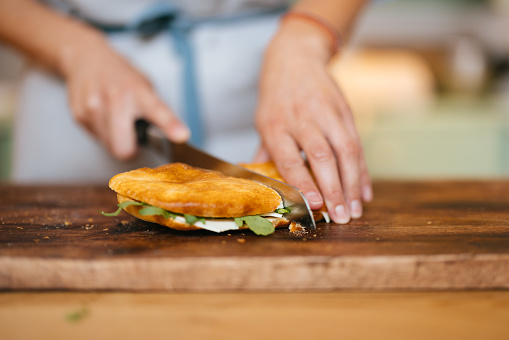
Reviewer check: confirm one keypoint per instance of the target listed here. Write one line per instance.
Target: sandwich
(183, 197)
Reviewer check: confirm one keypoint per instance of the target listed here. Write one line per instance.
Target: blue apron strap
(161, 16)
(190, 86)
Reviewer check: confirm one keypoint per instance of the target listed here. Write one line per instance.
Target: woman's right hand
(107, 95)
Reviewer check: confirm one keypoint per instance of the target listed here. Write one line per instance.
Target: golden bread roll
(183, 189)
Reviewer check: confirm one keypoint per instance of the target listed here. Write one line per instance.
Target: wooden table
(427, 260)
(254, 316)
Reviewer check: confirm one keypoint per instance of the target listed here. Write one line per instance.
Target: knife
(149, 135)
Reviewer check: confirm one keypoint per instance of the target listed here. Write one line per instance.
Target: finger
(367, 190)
(290, 163)
(159, 114)
(325, 169)
(122, 136)
(77, 103)
(96, 119)
(348, 149)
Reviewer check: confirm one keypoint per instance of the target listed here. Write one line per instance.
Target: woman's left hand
(301, 109)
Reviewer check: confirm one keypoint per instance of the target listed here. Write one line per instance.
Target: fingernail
(356, 209)
(180, 133)
(367, 193)
(341, 214)
(313, 197)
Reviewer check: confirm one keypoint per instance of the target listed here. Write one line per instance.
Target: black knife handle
(141, 127)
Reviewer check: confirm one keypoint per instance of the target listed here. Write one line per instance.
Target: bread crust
(184, 189)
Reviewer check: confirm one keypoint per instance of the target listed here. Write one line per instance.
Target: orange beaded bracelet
(332, 33)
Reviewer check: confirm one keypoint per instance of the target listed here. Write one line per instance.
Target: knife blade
(149, 135)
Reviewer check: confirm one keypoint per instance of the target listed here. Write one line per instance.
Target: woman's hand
(107, 95)
(301, 108)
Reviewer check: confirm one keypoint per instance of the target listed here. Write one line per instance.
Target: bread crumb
(429, 222)
(297, 228)
(46, 237)
(19, 227)
(123, 222)
(241, 240)
(67, 223)
(105, 229)
(37, 240)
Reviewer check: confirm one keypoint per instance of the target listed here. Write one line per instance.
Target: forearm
(45, 35)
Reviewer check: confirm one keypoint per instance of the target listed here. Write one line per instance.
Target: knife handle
(141, 127)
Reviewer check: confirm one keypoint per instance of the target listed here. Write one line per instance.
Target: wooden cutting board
(413, 236)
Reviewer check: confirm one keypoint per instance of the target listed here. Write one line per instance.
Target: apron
(49, 146)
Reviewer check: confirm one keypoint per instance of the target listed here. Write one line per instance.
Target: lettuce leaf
(152, 210)
(258, 225)
(121, 206)
(191, 219)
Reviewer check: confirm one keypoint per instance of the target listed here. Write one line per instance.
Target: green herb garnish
(121, 206)
(257, 224)
(191, 219)
(283, 210)
(77, 315)
(153, 210)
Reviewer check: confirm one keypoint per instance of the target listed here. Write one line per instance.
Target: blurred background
(428, 81)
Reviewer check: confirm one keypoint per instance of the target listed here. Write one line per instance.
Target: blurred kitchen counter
(336, 315)
(452, 138)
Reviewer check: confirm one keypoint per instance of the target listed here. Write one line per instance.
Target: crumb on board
(36, 240)
(46, 237)
(124, 222)
(67, 223)
(297, 228)
(106, 229)
(241, 240)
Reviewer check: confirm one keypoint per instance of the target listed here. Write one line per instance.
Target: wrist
(72, 53)
(326, 29)
(306, 37)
